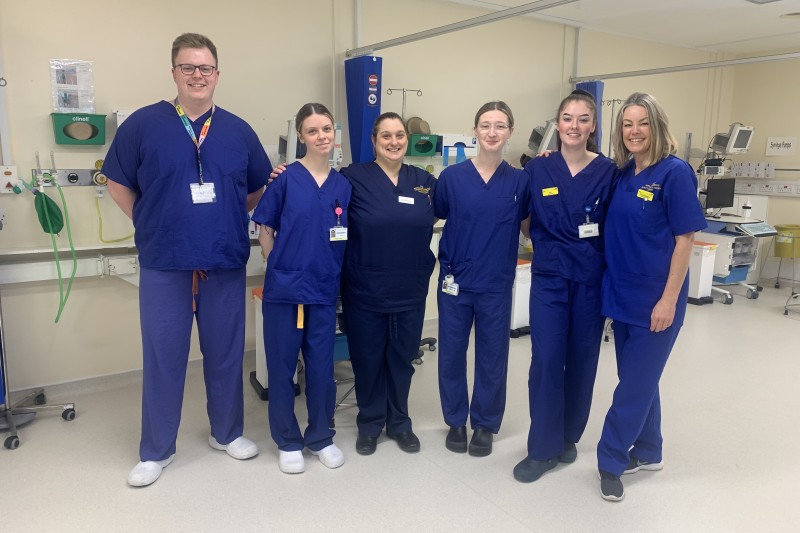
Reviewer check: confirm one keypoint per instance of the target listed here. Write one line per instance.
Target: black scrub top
(388, 261)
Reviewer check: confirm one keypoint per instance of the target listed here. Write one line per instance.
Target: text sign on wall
(781, 145)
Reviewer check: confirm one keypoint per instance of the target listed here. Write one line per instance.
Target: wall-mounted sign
(781, 145)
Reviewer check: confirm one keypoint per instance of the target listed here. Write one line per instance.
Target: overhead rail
(683, 68)
(456, 26)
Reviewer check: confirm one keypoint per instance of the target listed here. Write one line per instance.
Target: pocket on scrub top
(506, 209)
(236, 165)
(652, 217)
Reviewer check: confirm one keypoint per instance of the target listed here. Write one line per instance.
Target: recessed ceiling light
(761, 1)
(790, 16)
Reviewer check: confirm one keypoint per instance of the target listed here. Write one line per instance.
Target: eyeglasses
(188, 70)
(500, 126)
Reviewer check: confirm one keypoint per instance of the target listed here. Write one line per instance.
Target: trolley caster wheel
(432, 348)
(417, 361)
(12, 443)
(728, 299)
(68, 415)
(606, 338)
(40, 399)
(785, 313)
(514, 333)
(753, 295)
(777, 285)
(759, 288)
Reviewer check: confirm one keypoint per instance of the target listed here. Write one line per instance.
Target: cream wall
(765, 96)
(274, 56)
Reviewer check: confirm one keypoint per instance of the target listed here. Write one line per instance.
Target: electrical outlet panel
(784, 188)
(766, 188)
(744, 187)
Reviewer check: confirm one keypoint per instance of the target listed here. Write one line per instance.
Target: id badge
(338, 233)
(588, 230)
(203, 194)
(405, 200)
(449, 286)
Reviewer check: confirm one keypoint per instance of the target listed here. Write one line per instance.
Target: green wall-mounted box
(422, 145)
(79, 128)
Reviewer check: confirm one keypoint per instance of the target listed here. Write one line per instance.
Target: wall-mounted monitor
(544, 138)
(736, 141)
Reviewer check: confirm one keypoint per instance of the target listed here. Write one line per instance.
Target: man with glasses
(187, 172)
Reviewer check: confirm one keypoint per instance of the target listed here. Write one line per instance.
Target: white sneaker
(147, 472)
(240, 448)
(331, 456)
(292, 462)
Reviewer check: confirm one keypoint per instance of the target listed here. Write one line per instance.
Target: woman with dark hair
(484, 201)
(387, 266)
(303, 219)
(650, 230)
(570, 192)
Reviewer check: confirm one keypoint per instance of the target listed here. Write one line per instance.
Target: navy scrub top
(647, 212)
(388, 261)
(558, 206)
(304, 265)
(481, 236)
(153, 155)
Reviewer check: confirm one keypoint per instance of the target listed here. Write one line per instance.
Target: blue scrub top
(481, 236)
(304, 265)
(388, 261)
(558, 207)
(640, 238)
(153, 155)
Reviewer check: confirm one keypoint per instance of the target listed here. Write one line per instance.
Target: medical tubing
(58, 262)
(72, 251)
(100, 219)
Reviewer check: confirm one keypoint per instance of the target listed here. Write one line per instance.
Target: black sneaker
(611, 488)
(634, 465)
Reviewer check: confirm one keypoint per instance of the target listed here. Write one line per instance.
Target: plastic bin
(787, 242)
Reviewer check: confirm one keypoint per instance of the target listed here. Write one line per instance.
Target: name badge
(588, 230)
(449, 286)
(647, 196)
(203, 194)
(338, 233)
(405, 200)
(550, 191)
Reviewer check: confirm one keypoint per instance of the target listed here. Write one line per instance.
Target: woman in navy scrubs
(649, 234)
(570, 192)
(303, 218)
(387, 267)
(483, 200)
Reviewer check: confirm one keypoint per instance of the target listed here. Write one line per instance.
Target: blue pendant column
(363, 89)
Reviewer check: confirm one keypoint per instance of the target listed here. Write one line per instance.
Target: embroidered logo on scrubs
(422, 190)
(647, 196)
(550, 191)
(652, 186)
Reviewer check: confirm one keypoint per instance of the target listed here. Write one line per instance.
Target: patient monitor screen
(719, 193)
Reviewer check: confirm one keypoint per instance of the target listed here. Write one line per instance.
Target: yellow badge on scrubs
(647, 196)
(550, 191)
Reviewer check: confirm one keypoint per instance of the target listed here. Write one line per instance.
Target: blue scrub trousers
(283, 341)
(566, 331)
(634, 419)
(382, 347)
(165, 308)
(491, 313)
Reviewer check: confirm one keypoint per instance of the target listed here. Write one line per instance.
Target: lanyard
(203, 134)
